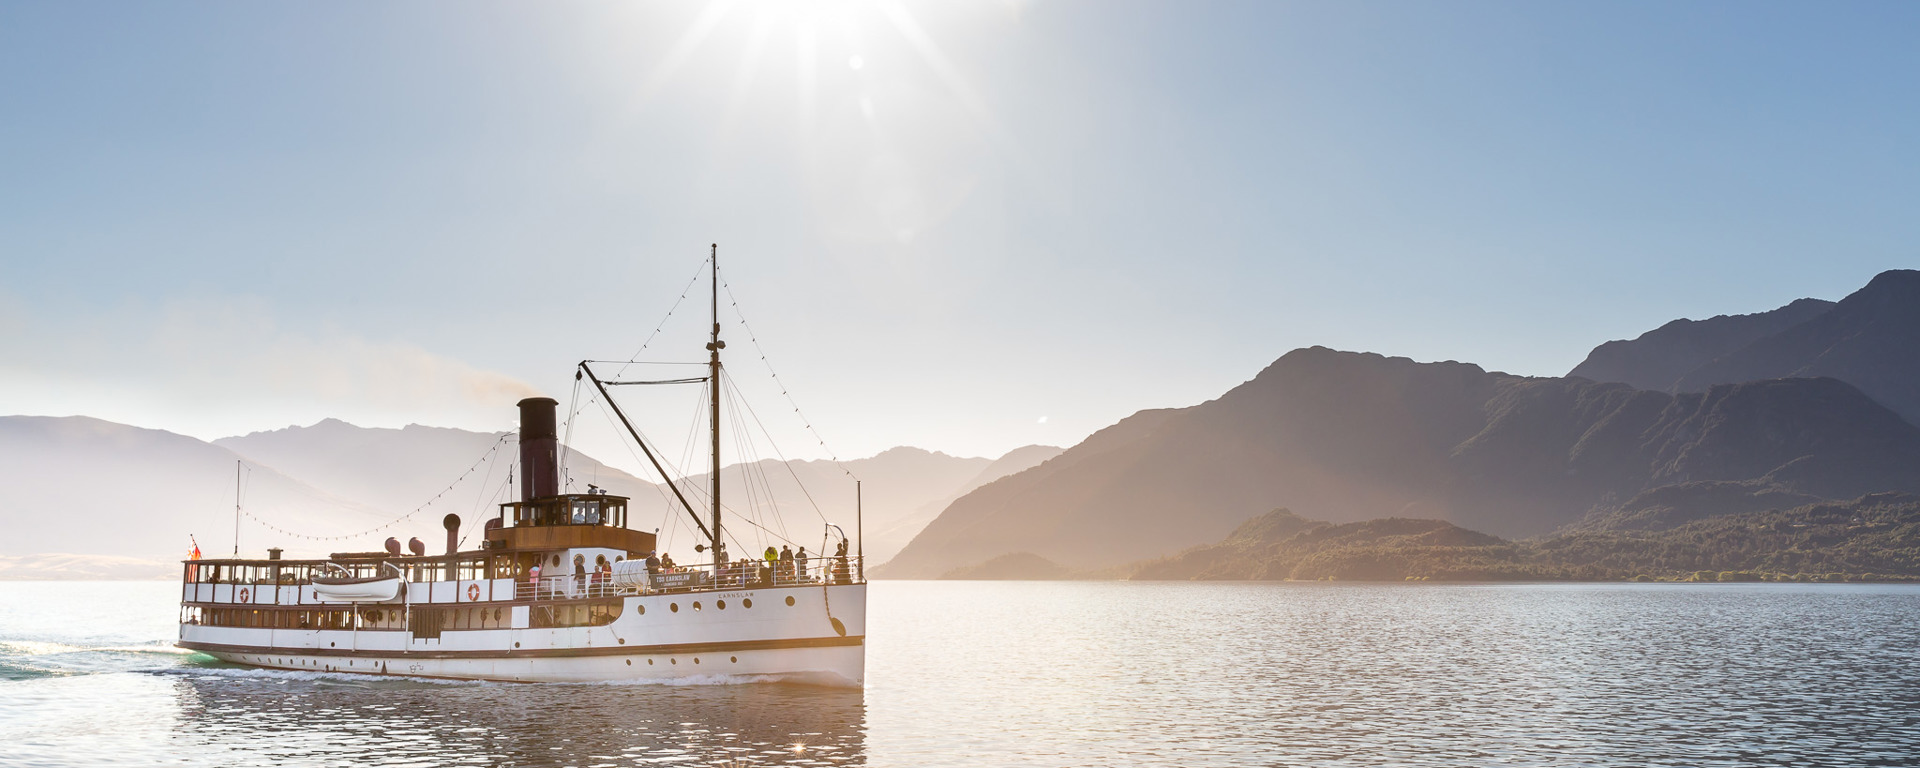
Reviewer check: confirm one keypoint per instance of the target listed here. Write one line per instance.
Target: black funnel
(539, 449)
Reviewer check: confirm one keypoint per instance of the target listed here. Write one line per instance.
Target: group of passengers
(597, 582)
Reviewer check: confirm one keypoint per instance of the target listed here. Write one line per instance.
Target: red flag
(193, 571)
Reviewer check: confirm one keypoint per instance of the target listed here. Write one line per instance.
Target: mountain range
(1744, 413)
(1773, 419)
(87, 498)
(1870, 339)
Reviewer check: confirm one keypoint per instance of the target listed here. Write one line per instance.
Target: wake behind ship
(561, 590)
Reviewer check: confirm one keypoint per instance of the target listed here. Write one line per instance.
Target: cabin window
(597, 614)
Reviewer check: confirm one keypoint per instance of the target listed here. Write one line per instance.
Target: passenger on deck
(800, 562)
(786, 564)
(653, 563)
(580, 575)
(533, 580)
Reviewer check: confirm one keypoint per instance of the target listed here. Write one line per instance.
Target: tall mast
(713, 379)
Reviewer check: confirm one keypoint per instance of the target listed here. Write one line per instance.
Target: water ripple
(1066, 674)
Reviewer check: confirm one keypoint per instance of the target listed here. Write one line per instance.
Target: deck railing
(756, 574)
(702, 577)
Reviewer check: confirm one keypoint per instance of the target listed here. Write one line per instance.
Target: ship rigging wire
(761, 500)
(777, 453)
(396, 521)
(670, 310)
(755, 339)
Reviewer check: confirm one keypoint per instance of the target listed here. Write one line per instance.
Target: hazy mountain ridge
(1659, 358)
(904, 487)
(78, 484)
(1870, 339)
(71, 567)
(885, 541)
(333, 477)
(1348, 436)
(397, 470)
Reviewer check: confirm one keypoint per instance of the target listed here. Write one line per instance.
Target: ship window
(720, 604)
(746, 602)
(789, 599)
(675, 607)
(597, 614)
(696, 605)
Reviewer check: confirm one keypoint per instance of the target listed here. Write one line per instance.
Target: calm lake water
(1058, 674)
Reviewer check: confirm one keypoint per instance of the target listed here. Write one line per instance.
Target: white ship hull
(841, 666)
(819, 638)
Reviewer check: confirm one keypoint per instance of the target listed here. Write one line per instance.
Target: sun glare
(887, 148)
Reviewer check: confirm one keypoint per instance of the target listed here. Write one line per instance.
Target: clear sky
(965, 226)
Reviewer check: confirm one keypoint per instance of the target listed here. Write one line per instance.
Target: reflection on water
(340, 721)
(1432, 675)
(1060, 674)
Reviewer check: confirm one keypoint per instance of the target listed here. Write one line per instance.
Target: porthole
(696, 605)
(720, 604)
(746, 602)
(516, 645)
(649, 662)
(642, 608)
(629, 662)
(330, 645)
(734, 659)
(675, 607)
(623, 641)
(789, 599)
(696, 659)
(675, 661)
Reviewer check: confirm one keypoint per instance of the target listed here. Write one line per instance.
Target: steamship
(560, 590)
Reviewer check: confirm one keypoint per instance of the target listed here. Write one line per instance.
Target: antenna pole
(859, 532)
(713, 380)
(236, 508)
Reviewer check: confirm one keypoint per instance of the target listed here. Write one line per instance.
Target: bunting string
(484, 458)
(751, 336)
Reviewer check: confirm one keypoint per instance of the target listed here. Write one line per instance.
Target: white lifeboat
(357, 589)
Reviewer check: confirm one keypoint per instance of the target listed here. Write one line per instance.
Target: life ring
(243, 594)
(473, 593)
